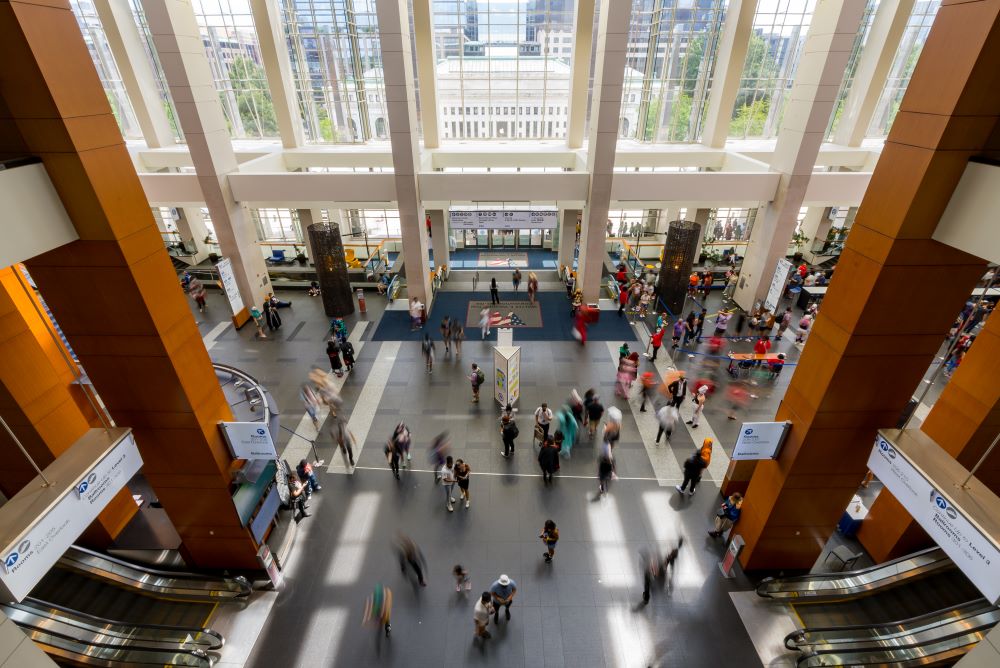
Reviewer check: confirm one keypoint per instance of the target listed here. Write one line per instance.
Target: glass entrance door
(504, 239)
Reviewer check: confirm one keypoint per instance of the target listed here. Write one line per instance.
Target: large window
(230, 39)
(378, 222)
(107, 70)
(668, 69)
(277, 224)
(914, 37)
(779, 33)
(860, 42)
(729, 225)
(337, 68)
(503, 67)
(154, 61)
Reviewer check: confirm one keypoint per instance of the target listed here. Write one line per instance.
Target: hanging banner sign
(85, 478)
(228, 279)
(249, 440)
(760, 440)
(976, 554)
(521, 219)
(777, 284)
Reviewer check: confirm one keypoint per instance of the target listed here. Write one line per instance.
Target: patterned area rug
(506, 314)
(502, 260)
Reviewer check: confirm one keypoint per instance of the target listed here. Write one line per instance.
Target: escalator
(92, 609)
(919, 610)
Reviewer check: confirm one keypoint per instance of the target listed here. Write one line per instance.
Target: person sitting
(313, 289)
(383, 284)
(777, 365)
(277, 303)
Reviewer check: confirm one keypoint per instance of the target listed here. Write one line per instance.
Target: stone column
(815, 226)
(827, 49)
(439, 237)
(865, 330)
(278, 70)
(199, 111)
(874, 63)
(144, 352)
(964, 421)
(609, 71)
(136, 72)
(394, 32)
(730, 61)
(583, 36)
(423, 34)
(308, 217)
(191, 226)
(701, 217)
(567, 237)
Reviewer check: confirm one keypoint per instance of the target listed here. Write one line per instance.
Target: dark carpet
(554, 308)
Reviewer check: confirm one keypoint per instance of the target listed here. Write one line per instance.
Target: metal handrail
(180, 585)
(823, 587)
(110, 628)
(81, 651)
(253, 382)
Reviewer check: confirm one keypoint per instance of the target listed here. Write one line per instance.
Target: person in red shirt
(622, 300)
(656, 341)
(803, 270)
(762, 347)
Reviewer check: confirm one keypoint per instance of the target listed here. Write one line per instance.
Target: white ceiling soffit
(34, 220)
(971, 221)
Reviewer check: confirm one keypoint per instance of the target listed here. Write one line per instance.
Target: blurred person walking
(411, 555)
(548, 459)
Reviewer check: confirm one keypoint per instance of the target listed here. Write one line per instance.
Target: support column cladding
(567, 237)
(827, 49)
(179, 45)
(865, 330)
(439, 237)
(609, 72)
(113, 291)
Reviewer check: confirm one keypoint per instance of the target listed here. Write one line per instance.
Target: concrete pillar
(145, 355)
(439, 237)
(567, 237)
(667, 214)
(865, 329)
(191, 227)
(136, 71)
(583, 37)
(308, 217)
(730, 61)
(394, 29)
(609, 71)
(278, 70)
(199, 110)
(815, 226)
(423, 34)
(701, 217)
(874, 63)
(964, 421)
(827, 49)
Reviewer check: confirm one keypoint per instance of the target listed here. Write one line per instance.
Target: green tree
(253, 100)
(692, 65)
(749, 120)
(680, 119)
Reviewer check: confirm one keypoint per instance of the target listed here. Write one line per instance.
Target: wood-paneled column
(872, 342)
(114, 291)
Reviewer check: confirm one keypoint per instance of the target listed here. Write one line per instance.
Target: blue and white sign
(760, 440)
(249, 440)
(974, 553)
(32, 554)
(228, 279)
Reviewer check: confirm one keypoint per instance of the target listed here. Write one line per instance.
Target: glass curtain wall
(860, 42)
(503, 67)
(779, 33)
(672, 46)
(914, 37)
(107, 70)
(230, 39)
(729, 225)
(277, 225)
(154, 61)
(337, 69)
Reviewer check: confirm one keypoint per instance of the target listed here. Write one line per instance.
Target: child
(462, 578)
(549, 536)
(313, 289)
(347, 350)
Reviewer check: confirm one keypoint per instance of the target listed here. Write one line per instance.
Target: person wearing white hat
(699, 405)
(502, 591)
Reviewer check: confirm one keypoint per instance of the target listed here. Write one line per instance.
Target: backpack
(513, 430)
(480, 377)
(804, 323)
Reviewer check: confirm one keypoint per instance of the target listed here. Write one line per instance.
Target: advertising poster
(228, 279)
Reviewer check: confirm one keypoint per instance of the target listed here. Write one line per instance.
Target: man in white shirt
(543, 418)
(481, 615)
(416, 313)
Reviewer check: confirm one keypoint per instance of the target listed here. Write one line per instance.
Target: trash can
(361, 300)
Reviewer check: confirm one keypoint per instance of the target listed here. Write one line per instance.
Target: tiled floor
(581, 610)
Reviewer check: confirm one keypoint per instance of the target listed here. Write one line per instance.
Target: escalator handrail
(190, 630)
(970, 609)
(242, 584)
(201, 654)
(888, 649)
(843, 575)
